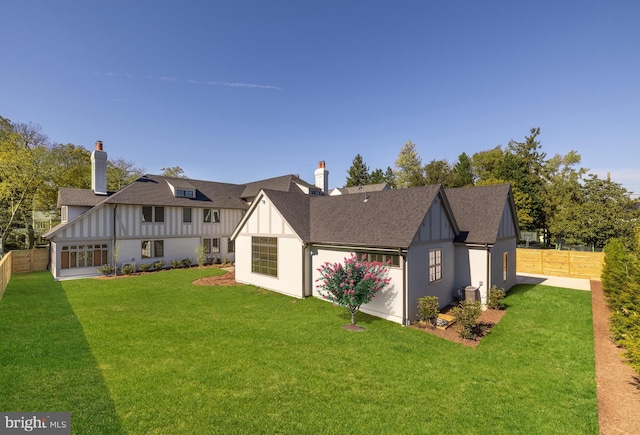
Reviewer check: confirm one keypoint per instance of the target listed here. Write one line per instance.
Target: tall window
(147, 214)
(152, 214)
(505, 269)
(186, 214)
(83, 256)
(211, 215)
(211, 246)
(435, 265)
(152, 248)
(231, 246)
(159, 214)
(264, 255)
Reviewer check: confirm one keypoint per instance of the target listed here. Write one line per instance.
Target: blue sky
(242, 90)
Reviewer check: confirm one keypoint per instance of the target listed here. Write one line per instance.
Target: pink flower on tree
(355, 283)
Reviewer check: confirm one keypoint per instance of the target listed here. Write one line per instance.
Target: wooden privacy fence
(24, 261)
(6, 266)
(571, 264)
(30, 260)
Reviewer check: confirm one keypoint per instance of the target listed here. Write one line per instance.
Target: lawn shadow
(46, 363)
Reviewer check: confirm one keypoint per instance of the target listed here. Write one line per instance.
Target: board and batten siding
(98, 223)
(507, 224)
(266, 221)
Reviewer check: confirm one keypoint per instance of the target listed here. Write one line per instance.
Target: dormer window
(182, 188)
(182, 193)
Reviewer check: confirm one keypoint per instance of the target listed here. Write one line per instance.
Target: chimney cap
(321, 164)
(99, 145)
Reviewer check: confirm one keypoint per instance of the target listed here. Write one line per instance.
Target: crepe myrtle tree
(353, 283)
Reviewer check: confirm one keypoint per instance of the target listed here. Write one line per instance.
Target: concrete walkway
(553, 281)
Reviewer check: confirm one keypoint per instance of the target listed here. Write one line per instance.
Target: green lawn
(156, 354)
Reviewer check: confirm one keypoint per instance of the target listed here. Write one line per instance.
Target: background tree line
(32, 169)
(554, 196)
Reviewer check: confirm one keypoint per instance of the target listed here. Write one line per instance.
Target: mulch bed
(617, 384)
(488, 319)
(226, 279)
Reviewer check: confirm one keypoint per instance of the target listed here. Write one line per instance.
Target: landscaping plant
(353, 283)
(127, 269)
(428, 310)
(496, 295)
(467, 315)
(621, 282)
(106, 269)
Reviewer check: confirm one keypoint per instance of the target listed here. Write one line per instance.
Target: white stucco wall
(387, 304)
(266, 221)
(472, 268)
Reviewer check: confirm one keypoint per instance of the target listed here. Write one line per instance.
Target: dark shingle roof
(387, 219)
(285, 183)
(294, 208)
(362, 189)
(478, 211)
(155, 190)
(79, 197)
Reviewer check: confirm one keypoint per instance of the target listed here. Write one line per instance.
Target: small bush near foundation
(428, 309)
(176, 264)
(127, 269)
(144, 267)
(186, 262)
(106, 269)
(496, 295)
(467, 315)
(159, 264)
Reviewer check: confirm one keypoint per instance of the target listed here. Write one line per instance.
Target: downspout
(305, 269)
(486, 290)
(115, 239)
(405, 299)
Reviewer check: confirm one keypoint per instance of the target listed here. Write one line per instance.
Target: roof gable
(478, 211)
(387, 219)
(285, 183)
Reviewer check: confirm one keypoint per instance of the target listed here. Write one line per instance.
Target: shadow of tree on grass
(46, 364)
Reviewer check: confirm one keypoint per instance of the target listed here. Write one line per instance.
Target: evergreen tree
(358, 173)
(463, 171)
(409, 169)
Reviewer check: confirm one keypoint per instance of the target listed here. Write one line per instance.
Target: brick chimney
(99, 170)
(322, 177)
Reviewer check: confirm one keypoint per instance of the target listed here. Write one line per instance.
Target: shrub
(106, 269)
(352, 284)
(496, 295)
(621, 282)
(144, 267)
(186, 262)
(127, 269)
(218, 260)
(176, 263)
(428, 309)
(157, 265)
(467, 315)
